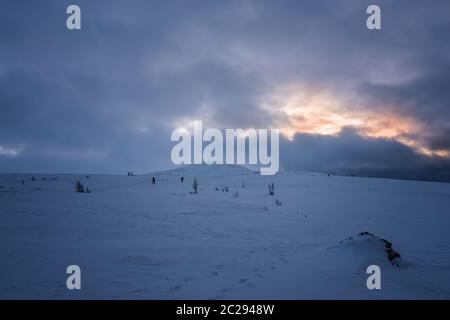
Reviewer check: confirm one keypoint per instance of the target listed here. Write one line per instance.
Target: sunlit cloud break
(300, 109)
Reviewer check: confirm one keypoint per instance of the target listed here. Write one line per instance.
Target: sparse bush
(278, 203)
(271, 189)
(223, 188)
(79, 187)
(236, 194)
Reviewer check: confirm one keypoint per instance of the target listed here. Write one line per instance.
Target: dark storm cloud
(427, 98)
(350, 154)
(106, 97)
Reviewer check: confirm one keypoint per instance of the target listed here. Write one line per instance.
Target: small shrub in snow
(278, 203)
(271, 189)
(79, 187)
(236, 194)
(223, 188)
(195, 185)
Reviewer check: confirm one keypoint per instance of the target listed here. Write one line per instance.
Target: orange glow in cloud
(302, 110)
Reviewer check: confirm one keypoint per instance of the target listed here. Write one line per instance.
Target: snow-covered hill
(136, 240)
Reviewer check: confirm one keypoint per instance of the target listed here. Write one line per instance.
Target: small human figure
(182, 179)
(153, 180)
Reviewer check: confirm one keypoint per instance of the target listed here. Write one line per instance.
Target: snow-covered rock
(367, 249)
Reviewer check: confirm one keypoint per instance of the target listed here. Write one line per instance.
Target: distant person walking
(153, 180)
(182, 179)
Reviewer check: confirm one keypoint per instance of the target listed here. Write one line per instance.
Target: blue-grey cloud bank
(105, 99)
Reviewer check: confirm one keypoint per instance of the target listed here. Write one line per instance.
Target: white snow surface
(136, 240)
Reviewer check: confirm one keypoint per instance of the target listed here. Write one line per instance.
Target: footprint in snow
(227, 289)
(140, 291)
(175, 288)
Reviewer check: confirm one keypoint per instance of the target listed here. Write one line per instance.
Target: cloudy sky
(106, 98)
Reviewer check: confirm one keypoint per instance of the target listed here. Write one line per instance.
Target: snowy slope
(135, 240)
